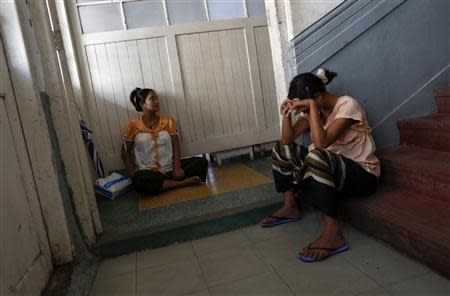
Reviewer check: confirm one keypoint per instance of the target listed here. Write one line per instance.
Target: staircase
(411, 210)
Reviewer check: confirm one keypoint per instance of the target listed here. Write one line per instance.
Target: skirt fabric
(319, 177)
(147, 182)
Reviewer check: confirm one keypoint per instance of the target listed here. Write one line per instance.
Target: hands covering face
(295, 105)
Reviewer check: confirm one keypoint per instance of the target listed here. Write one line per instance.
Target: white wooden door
(214, 77)
(25, 260)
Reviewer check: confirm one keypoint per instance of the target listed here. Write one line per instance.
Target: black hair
(307, 85)
(138, 96)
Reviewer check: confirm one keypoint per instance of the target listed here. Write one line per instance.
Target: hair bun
(325, 75)
(133, 95)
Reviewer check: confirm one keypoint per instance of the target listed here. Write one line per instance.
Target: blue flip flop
(278, 221)
(332, 253)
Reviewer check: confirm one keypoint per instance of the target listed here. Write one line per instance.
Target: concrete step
(414, 225)
(443, 100)
(419, 170)
(183, 230)
(432, 132)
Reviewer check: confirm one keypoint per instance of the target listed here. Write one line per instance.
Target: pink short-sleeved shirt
(357, 142)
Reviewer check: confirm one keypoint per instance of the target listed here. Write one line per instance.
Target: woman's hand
(285, 106)
(178, 173)
(300, 105)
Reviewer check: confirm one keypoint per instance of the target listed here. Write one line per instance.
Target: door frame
(65, 116)
(17, 34)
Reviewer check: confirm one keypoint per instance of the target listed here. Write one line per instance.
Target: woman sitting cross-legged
(340, 162)
(151, 150)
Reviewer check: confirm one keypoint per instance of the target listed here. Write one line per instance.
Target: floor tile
(375, 292)
(259, 285)
(356, 238)
(283, 249)
(383, 263)
(429, 284)
(172, 279)
(116, 266)
(231, 264)
(200, 293)
(226, 240)
(257, 234)
(310, 223)
(333, 276)
(122, 285)
(170, 254)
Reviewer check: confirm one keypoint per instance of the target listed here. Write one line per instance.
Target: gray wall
(391, 66)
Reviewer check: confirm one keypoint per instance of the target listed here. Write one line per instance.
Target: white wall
(304, 13)
(287, 19)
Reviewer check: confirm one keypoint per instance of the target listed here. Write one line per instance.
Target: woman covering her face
(339, 163)
(151, 150)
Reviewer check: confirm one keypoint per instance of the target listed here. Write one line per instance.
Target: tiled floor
(256, 261)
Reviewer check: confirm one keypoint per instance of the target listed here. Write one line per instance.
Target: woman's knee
(315, 155)
(198, 166)
(275, 150)
(203, 163)
(279, 151)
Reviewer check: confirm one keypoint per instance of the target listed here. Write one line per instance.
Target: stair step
(419, 170)
(183, 230)
(443, 100)
(414, 225)
(432, 132)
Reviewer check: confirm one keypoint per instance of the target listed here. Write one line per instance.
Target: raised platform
(127, 230)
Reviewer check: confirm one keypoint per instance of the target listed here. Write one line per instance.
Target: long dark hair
(138, 96)
(307, 85)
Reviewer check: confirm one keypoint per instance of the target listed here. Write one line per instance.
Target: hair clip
(321, 74)
(307, 91)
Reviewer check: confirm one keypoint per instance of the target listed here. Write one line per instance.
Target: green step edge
(183, 233)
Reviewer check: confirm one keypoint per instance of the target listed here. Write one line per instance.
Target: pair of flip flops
(278, 221)
(332, 252)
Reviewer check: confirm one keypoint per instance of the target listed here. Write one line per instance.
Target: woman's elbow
(124, 154)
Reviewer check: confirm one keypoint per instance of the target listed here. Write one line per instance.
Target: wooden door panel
(216, 80)
(20, 249)
(25, 263)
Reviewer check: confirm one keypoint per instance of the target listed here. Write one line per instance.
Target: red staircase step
(443, 100)
(418, 170)
(417, 226)
(432, 132)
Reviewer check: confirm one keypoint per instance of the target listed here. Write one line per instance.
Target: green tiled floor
(256, 261)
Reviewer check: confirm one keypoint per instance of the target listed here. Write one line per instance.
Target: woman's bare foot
(283, 212)
(171, 184)
(320, 247)
(192, 181)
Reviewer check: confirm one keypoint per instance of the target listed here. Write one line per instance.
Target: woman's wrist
(313, 106)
